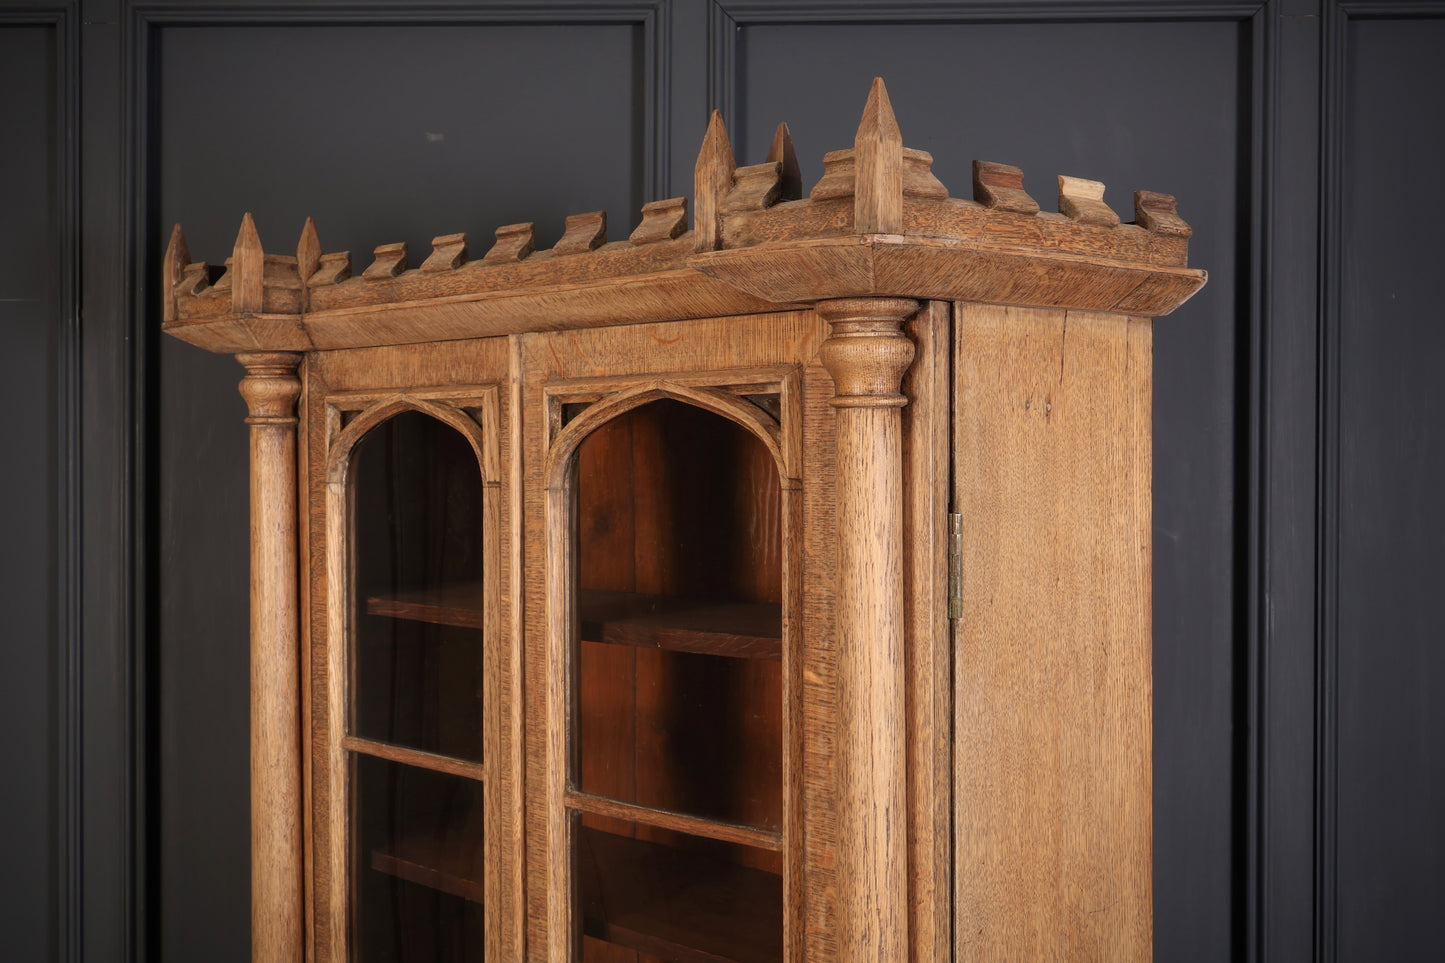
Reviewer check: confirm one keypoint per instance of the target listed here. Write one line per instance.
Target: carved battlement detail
(1083, 201)
(661, 221)
(878, 223)
(515, 242)
(448, 253)
(1002, 186)
(390, 260)
(585, 232)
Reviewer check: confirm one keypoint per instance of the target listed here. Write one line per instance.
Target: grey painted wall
(1297, 756)
(29, 471)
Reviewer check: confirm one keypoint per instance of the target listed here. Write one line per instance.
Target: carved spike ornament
(712, 180)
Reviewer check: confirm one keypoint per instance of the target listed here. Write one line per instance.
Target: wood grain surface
(270, 389)
(1052, 658)
(866, 355)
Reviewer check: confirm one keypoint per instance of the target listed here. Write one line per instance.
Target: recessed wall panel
(31, 325)
(1391, 630)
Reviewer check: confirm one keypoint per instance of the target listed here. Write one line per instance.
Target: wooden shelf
(678, 905)
(435, 861)
(459, 604)
(747, 630)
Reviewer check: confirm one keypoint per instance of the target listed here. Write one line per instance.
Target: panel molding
(67, 783)
(1327, 474)
(1277, 667)
(727, 17)
(653, 17)
(1337, 18)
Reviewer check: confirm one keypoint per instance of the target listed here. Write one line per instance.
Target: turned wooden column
(867, 355)
(271, 389)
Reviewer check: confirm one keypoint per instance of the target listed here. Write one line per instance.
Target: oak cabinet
(773, 590)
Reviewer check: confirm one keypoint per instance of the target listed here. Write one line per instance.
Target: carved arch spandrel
(741, 412)
(338, 455)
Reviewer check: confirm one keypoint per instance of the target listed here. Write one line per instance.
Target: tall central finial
(878, 154)
(712, 179)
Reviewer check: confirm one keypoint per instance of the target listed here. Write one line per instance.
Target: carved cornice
(878, 224)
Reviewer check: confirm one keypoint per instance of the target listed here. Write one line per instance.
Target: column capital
(867, 352)
(270, 387)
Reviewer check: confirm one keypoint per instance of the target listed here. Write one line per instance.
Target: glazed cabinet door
(413, 785)
(665, 640)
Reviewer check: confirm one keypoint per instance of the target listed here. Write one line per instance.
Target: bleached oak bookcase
(773, 590)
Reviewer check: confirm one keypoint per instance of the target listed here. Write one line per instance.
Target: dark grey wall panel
(30, 279)
(1277, 883)
(382, 133)
(1391, 548)
(1298, 538)
(1135, 105)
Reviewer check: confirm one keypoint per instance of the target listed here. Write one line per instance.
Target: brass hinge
(955, 566)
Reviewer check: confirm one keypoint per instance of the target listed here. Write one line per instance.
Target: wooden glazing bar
(416, 757)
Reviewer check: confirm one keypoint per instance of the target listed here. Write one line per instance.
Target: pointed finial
(308, 252)
(712, 179)
(248, 270)
(178, 255)
(790, 175)
(878, 156)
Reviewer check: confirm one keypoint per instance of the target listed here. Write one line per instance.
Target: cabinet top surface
(878, 223)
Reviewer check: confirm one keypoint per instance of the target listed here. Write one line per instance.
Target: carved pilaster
(867, 355)
(270, 389)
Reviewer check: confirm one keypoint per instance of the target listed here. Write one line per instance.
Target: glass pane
(679, 685)
(675, 897)
(418, 865)
(417, 651)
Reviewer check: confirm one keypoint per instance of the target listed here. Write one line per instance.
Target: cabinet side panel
(1052, 659)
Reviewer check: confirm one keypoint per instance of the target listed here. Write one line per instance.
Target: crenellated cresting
(901, 180)
(876, 221)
